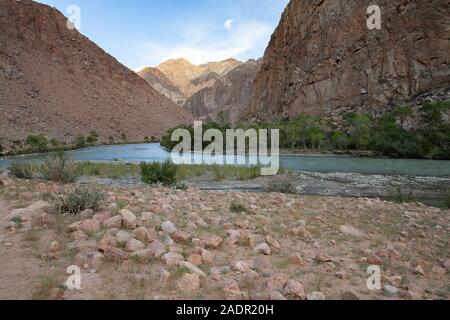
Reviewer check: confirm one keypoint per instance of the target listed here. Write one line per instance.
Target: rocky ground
(157, 243)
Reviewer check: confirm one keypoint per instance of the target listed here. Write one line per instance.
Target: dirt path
(22, 272)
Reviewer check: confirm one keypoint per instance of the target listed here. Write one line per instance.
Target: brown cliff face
(322, 58)
(159, 81)
(56, 82)
(228, 97)
(190, 78)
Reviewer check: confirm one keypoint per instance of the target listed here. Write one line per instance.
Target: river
(314, 174)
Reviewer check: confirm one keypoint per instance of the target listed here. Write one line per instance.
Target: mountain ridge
(56, 82)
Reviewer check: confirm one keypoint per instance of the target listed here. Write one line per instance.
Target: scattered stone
(79, 236)
(107, 241)
(8, 244)
(189, 283)
(115, 254)
(301, 232)
(240, 266)
(157, 248)
(114, 222)
(394, 280)
(277, 282)
(213, 242)
(181, 237)
(294, 290)
(89, 260)
(142, 256)
(195, 259)
(192, 268)
(129, 219)
(419, 270)
(163, 275)
(233, 292)
(274, 244)
(296, 259)
(391, 290)
(55, 246)
(89, 226)
(207, 256)
(168, 227)
(134, 245)
(263, 248)
(172, 258)
(315, 296)
(123, 237)
(155, 209)
(145, 235)
(322, 258)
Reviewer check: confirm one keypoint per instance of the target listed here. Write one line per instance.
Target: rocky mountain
(162, 84)
(228, 97)
(190, 78)
(56, 82)
(323, 59)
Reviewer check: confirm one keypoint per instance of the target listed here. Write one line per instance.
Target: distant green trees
(387, 134)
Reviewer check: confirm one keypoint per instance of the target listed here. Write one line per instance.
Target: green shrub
(181, 186)
(77, 200)
(238, 208)
(38, 143)
(59, 169)
(20, 170)
(80, 142)
(164, 173)
(283, 186)
(400, 196)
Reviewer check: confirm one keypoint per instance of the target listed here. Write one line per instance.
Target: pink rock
(213, 242)
(114, 222)
(89, 226)
(181, 237)
(172, 258)
(189, 283)
(294, 289)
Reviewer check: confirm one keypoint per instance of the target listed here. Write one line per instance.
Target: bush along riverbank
(405, 132)
(36, 143)
(429, 190)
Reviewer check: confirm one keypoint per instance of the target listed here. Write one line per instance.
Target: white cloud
(228, 24)
(207, 44)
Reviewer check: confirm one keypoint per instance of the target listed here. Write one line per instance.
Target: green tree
(38, 143)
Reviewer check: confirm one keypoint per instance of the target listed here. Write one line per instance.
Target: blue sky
(146, 32)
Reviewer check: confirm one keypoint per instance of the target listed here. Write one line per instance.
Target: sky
(147, 32)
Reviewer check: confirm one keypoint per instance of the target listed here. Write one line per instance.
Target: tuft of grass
(59, 169)
(283, 186)
(45, 286)
(77, 200)
(238, 208)
(20, 170)
(164, 173)
(399, 196)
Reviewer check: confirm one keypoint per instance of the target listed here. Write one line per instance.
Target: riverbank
(161, 243)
